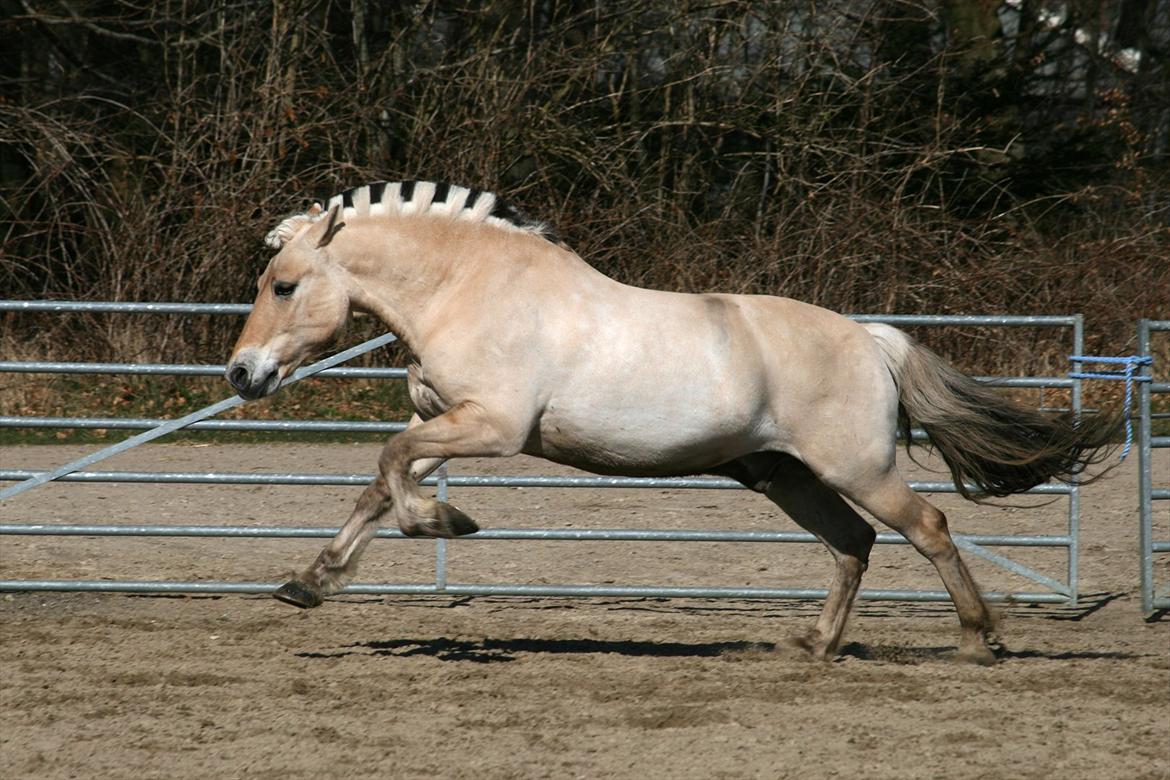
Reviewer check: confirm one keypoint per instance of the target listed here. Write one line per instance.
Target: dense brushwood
(840, 157)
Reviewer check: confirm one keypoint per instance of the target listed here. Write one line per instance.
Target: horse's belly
(644, 445)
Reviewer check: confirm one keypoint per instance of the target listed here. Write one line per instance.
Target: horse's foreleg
(336, 564)
(466, 430)
(820, 510)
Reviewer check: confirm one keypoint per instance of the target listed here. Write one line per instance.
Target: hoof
(980, 655)
(298, 594)
(809, 646)
(454, 522)
(447, 523)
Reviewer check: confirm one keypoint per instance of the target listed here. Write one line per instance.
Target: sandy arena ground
(117, 686)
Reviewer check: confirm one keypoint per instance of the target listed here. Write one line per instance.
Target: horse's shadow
(502, 650)
(490, 650)
(911, 656)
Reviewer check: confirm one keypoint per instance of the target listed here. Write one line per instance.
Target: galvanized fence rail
(1054, 590)
(1154, 596)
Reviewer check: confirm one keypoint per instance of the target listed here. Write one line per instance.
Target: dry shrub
(829, 152)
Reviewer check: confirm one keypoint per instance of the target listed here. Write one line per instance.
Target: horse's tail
(986, 439)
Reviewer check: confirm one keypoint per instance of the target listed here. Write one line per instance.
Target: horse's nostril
(238, 377)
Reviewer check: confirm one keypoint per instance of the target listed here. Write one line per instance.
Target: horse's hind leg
(892, 501)
(820, 510)
(817, 508)
(338, 561)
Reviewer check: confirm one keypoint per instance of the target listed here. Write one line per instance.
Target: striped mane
(404, 198)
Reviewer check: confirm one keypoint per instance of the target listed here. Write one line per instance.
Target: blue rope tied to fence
(1128, 374)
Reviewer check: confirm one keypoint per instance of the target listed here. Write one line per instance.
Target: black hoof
(447, 523)
(454, 522)
(298, 594)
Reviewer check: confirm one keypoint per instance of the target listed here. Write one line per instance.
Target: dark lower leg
(819, 509)
(926, 528)
(467, 430)
(336, 563)
(824, 639)
(975, 620)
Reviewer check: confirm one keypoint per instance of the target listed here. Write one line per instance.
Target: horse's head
(302, 305)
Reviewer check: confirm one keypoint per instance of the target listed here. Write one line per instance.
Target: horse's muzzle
(252, 381)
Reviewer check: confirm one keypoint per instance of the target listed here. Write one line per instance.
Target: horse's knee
(389, 460)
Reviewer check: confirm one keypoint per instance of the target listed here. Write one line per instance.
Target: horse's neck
(414, 275)
(383, 277)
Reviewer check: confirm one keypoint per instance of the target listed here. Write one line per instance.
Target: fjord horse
(521, 346)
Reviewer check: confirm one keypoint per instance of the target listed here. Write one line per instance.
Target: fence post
(1074, 496)
(441, 544)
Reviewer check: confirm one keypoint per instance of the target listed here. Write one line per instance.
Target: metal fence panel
(1056, 590)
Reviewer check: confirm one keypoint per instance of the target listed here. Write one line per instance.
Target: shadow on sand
(504, 650)
(501, 650)
(912, 656)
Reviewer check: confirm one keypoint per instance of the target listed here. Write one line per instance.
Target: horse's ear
(331, 227)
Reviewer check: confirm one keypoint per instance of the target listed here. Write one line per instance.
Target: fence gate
(1154, 596)
(1052, 590)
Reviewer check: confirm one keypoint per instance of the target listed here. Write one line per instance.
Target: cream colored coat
(521, 346)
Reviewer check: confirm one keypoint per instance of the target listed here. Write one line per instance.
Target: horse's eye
(283, 289)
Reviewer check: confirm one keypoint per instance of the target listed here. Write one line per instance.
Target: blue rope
(1128, 375)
